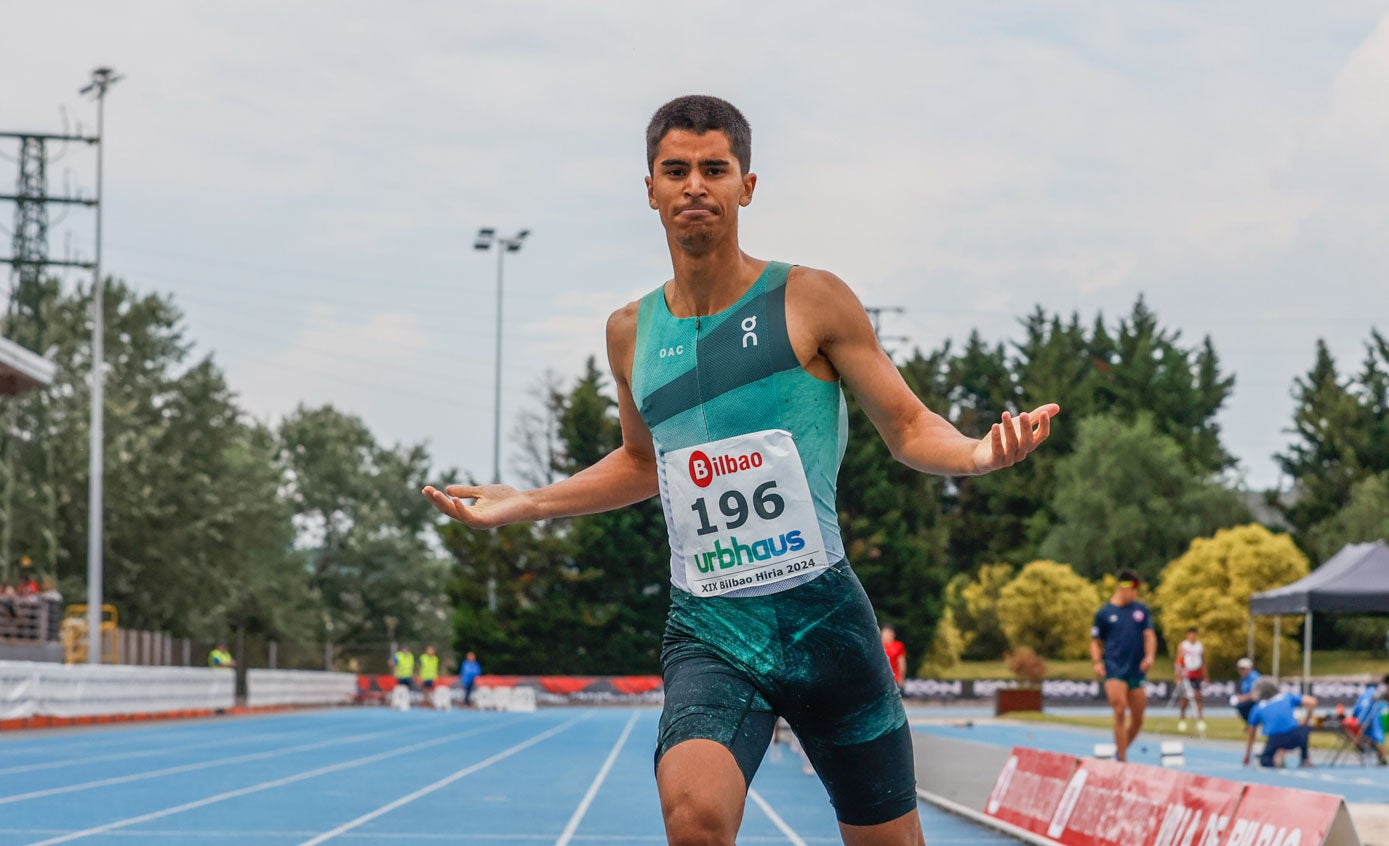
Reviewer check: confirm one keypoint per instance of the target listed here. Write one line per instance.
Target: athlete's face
(1191, 637)
(697, 186)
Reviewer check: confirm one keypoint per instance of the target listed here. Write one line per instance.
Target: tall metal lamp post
(486, 239)
(102, 79)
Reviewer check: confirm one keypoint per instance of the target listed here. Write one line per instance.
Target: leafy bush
(1209, 587)
(1048, 608)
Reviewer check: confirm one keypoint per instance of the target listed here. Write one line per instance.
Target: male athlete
(1190, 670)
(728, 384)
(1122, 646)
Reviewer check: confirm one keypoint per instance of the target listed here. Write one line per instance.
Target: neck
(1116, 599)
(707, 282)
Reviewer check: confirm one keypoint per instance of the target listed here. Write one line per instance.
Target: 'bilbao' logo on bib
(703, 469)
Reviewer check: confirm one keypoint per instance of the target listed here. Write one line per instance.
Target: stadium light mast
(102, 79)
(486, 239)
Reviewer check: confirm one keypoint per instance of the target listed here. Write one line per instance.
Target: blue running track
(370, 775)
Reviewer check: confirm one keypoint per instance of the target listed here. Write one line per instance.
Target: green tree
(190, 506)
(892, 519)
(1209, 587)
(582, 595)
(363, 531)
(1048, 608)
(976, 610)
(947, 646)
(1128, 499)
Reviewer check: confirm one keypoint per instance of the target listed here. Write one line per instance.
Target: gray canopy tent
(1354, 580)
(21, 370)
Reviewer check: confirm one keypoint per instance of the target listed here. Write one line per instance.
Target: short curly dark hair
(700, 113)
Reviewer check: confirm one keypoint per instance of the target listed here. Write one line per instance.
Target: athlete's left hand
(1146, 664)
(1014, 438)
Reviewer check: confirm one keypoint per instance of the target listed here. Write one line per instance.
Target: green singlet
(766, 618)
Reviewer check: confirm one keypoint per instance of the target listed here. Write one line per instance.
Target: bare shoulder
(622, 339)
(822, 300)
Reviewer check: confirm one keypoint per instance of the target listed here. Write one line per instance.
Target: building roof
(21, 370)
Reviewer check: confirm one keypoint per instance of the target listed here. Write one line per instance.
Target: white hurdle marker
(1106, 751)
(1173, 753)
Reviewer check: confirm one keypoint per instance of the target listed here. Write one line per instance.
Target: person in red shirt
(896, 655)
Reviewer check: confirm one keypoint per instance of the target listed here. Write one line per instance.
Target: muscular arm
(830, 328)
(1097, 655)
(1149, 649)
(622, 477)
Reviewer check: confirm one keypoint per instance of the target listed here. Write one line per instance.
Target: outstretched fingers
(445, 503)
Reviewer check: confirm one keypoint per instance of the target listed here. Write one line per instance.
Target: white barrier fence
(29, 688)
(299, 687)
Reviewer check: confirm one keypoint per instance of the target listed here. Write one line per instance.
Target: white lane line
(776, 818)
(573, 825)
(443, 782)
(186, 768)
(145, 753)
(265, 785)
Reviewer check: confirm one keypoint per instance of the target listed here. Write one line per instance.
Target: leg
(702, 794)
(1138, 703)
(903, 831)
(1304, 738)
(1200, 703)
(1117, 690)
(715, 729)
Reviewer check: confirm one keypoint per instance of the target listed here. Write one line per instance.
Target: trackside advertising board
(1089, 802)
(1109, 804)
(1030, 787)
(1281, 816)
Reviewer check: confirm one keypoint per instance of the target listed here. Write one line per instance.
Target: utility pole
(875, 314)
(24, 323)
(102, 79)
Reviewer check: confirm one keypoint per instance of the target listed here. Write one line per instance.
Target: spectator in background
(429, 670)
(1244, 701)
(1281, 728)
(896, 655)
(1365, 721)
(28, 584)
(467, 676)
(220, 657)
(403, 667)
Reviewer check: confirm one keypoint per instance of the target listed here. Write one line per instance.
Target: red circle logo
(701, 471)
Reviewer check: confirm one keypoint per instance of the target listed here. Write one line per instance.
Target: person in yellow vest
(403, 662)
(429, 671)
(220, 657)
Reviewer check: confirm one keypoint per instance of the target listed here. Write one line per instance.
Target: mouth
(697, 212)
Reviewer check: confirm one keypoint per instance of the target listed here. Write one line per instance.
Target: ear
(650, 193)
(749, 183)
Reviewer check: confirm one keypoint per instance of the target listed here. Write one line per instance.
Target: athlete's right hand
(493, 505)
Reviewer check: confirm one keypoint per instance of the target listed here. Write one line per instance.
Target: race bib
(741, 513)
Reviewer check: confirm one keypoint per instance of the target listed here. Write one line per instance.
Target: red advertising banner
(1282, 816)
(1112, 804)
(1029, 788)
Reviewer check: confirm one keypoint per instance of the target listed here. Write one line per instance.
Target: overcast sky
(306, 177)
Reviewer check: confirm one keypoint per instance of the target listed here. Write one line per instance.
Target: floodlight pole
(485, 240)
(102, 79)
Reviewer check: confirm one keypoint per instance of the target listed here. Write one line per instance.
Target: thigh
(845, 707)
(1137, 699)
(1117, 692)
(707, 699)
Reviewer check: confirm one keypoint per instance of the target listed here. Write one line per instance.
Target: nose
(694, 184)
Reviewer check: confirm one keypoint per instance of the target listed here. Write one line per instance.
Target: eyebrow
(685, 163)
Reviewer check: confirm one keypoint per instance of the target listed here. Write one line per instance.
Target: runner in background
(1122, 646)
(1191, 672)
(896, 655)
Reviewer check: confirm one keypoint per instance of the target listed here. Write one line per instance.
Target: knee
(690, 823)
